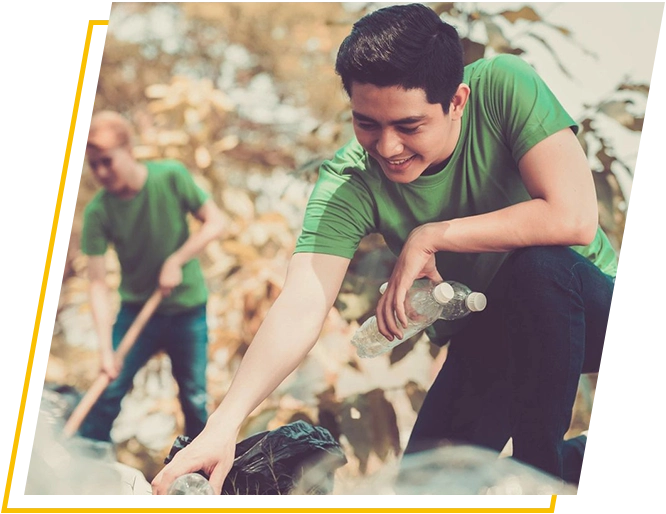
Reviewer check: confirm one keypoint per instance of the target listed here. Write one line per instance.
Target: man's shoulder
(97, 204)
(348, 160)
(497, 65)
(165, 167)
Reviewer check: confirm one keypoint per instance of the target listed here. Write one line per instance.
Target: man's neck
(439, 166)
(135, 182)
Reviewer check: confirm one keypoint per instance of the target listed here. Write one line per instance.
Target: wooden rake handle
(102, 381)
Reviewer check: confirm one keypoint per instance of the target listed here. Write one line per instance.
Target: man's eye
(408, 130)
(365, 125)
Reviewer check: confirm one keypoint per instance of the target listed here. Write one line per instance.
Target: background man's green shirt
(510, 110)
(145, 230)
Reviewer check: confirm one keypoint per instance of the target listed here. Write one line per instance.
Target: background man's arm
(101, 312)
(211, 228)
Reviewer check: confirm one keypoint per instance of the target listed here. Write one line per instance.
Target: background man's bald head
(109, 129)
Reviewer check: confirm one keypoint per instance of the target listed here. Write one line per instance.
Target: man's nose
(389, 144)
(101, 171)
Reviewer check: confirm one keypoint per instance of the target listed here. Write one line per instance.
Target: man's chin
(403, 177)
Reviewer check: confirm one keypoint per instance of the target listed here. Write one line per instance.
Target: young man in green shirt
(142, 211)
(470, 174)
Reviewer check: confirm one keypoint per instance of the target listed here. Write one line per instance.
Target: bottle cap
(443, 293)
(383, 287)
(476, 302)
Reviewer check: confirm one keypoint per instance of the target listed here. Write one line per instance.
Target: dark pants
(513, 371)
(184, 338)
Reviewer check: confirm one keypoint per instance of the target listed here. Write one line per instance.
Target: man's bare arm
(286, 335)
(211, 228)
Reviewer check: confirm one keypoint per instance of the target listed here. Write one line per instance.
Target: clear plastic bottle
(464, 302)
(191, 483)
(426, 302)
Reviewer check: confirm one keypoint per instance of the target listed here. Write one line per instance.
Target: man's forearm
(530, 223)
(99, 305)
(195, 244)
(281, 343)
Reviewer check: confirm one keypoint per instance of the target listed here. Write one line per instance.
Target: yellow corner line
(47, 266)
(329, 509)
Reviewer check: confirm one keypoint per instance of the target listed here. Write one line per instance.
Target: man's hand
(416, 260)
(109, 365)
(212, 452)
(171, 276)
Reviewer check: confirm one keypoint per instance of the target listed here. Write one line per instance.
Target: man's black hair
(403, 45)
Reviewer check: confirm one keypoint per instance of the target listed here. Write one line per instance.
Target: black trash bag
(59, 401)
(297, 458)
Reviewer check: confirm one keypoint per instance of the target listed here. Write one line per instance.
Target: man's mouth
(398, 162)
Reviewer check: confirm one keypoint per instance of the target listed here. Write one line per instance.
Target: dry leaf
(525, 13)
(157, 91)
(617, 110)
(202, 157)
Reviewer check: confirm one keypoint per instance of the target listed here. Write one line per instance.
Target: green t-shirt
(510, 110)
(145, 230)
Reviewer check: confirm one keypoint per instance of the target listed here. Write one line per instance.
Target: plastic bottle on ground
(191, 484)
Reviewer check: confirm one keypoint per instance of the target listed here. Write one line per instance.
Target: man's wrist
(175, 259)
(434, 237)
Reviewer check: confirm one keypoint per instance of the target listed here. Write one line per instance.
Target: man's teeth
(396, 163)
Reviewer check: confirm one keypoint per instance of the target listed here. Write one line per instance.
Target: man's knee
(536, 272)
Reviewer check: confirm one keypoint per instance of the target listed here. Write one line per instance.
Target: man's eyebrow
(402, 121)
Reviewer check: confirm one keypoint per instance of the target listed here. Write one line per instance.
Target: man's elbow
(582, 230)
(216, 224)
(218, 228)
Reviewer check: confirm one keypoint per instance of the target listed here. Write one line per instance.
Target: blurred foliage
(246, 96)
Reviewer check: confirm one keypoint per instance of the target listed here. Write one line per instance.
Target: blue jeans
(184, 338)
(513, 371)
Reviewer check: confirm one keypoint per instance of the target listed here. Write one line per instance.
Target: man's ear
(459, 101)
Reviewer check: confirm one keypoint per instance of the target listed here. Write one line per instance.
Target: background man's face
(111, 163)
(401, 130)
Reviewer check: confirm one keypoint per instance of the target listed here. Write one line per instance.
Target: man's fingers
(156, 484)
(381, 324)
(164, 479)
(400, 310)
(217, 478)
(390, 315)
(169, 474)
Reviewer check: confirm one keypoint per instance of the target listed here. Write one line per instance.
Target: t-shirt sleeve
(523, 105)
(340, 211)
(94, 240)
(191, 196)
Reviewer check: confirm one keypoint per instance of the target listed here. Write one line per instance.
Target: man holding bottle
(470, 174)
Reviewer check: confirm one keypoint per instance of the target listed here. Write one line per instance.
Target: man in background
(142, 210)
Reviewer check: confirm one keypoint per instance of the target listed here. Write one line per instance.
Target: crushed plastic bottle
(191, 483)
(426, 302)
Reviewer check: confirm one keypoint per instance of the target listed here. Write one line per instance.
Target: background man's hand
(109, 365)
(170, 276)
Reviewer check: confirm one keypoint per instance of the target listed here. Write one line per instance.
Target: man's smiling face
(401, 130)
